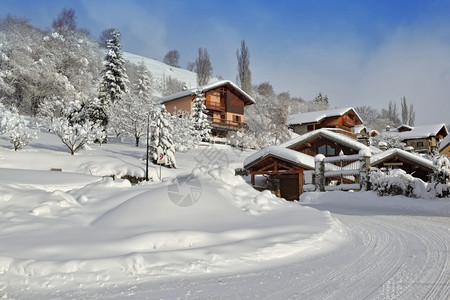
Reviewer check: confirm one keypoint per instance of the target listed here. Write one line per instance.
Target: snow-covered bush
(440, 182)
(397, 182)
(74, 128)
(185, 137)
(247, 139)
(16, 126)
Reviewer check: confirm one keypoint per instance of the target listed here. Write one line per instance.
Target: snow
(202, 232)
(282, 153)
(317, 116)
(161, 70)
(64, 230)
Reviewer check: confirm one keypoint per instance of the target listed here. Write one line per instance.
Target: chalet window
(327, 150)
(331, 151)
(237, 118)
(310, 127)
(419, 144)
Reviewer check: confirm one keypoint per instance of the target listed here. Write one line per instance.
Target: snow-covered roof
(316, 116)
(382, 156)
(445, 142)
(282, 153)
(337, 137)
(418, 132)
(205, 88)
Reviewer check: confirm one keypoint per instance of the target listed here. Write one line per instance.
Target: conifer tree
(114, 78)
(199, 117)
(161, 139)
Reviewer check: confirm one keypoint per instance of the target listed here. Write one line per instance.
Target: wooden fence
(343, 172)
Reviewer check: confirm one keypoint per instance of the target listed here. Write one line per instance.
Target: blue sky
(358, 52)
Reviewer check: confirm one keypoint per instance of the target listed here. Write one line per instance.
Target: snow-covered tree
(130, 115)
(161, 139)
(321, 99)
(114, 77)
(16, 126)
(185, 135)
(392, 140)
(199, 116)
(74, 127)
(41, 65)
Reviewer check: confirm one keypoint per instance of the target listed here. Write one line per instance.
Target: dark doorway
(289, 187)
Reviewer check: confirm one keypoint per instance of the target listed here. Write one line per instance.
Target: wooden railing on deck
(227, 123)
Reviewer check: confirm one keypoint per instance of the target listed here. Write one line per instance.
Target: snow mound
(207, 221)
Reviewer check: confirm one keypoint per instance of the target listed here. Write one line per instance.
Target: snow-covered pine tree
(161, 139)
(198, 115)
(114, 77)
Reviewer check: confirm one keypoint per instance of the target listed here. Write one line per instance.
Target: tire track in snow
(401, 257)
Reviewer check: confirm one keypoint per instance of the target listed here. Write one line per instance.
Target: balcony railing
(227, 123)
(343, 131)
(215, 106)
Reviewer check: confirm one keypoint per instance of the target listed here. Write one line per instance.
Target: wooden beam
(300, 182)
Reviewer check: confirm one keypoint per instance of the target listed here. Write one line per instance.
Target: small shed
(411, 163)
(284, 167)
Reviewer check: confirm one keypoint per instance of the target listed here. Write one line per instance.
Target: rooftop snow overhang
(248, 100)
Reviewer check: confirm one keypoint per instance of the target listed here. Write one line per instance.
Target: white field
(202, 232)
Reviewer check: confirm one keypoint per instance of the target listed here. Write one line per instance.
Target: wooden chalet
(400, 159)
(342, 120)
(225, 104)
(424, 139)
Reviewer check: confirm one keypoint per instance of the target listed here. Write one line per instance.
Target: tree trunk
(137, 141)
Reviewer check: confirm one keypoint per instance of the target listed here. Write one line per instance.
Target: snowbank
(109, 232)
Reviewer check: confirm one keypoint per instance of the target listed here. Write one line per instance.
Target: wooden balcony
(227, 124)
(343, 131)
(215, 106)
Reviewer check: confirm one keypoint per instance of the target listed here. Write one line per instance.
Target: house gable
(345, 119)
(325, 142)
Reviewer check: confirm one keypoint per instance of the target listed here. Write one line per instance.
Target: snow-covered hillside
(160, 70)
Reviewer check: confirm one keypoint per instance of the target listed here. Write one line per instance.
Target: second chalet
(225, 104)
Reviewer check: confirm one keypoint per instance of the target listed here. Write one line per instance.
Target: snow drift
(108, 232)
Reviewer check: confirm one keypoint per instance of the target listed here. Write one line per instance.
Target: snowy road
(389, 256)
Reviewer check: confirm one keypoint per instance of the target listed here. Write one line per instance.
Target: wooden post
(300, 182)
(253, 179)
(364, 180)
(320, 172)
